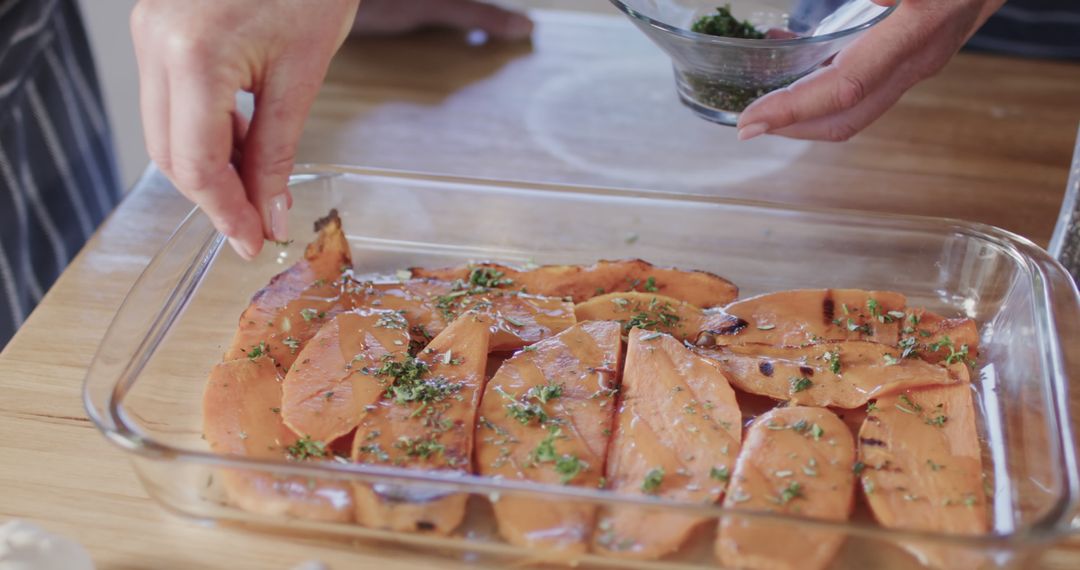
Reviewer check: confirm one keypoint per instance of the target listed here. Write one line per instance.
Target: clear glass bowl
(719, 77)
(144, 388)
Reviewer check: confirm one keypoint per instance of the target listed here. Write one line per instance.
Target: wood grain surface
(587, 102)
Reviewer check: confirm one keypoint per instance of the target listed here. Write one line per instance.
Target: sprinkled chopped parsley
(257, 351)
(292, 343)
(650, 336)
(856, 327)
(658, 315)
(481, 280)
(530, 406)
(306, 448)
(376, 450)
(800, 383)
(908, 406)
(816, 432)
(547, 392)
(488, 277)
(392, 320)
(875, 311)
(513, 321)
(652, 480)
(568, 467)
(720, 473)
(419, 447)
(858, 468)
(890, 360)
(909, 348)
(650, 285)
(938, 420)
(833, 358)
(934, 466)
(791, 492)
(957, 355)
(409, 383)
(525, 412)
(545, 450)
(310, 314)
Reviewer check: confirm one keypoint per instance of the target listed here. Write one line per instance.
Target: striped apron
(58, 178)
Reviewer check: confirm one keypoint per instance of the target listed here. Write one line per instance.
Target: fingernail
(279, 217)
(241, 249)
(752, 130)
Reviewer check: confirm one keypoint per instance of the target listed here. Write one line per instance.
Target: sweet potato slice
(516, 319)
(336, 375)
(795, 460)
(580, 282)
(923, 467)
(806, 316)
(242, 416)
(844, 374)
(677, 435)
(938, 339)
(644, 310)
(273, 321)
(546, 416)
(426, 420)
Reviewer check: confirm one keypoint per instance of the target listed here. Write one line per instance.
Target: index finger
(200, 146)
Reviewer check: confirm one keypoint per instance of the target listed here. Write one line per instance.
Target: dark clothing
(1033, 28)
(58, 178)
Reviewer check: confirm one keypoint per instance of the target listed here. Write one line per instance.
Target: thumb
(269, 149)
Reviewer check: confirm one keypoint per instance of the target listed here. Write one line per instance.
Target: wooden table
(590, 102)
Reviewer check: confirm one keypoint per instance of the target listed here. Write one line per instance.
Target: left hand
(868, 76)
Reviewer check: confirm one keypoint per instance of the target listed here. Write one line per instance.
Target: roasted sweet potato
(646, 311)
(516, 319)
(844, 374)
(580, 283)
(284, 312)
(938, 339)
(338, 373)
(795, 460)
(923, 467)
(242, 416)
(426, 420)
(807, 316)
(677, 435)
(546, 416)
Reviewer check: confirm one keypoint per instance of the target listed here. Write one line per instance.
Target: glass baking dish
(144, 388)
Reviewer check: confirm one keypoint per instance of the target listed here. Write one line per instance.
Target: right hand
(194, 56)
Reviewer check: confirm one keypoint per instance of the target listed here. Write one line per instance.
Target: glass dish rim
(1056, 522)
(748, 43)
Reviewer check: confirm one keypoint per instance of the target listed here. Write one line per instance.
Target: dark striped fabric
(1033, 28)
(58, 179)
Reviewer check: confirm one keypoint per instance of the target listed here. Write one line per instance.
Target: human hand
(869, 75)
(194, 56)
(398, 16)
